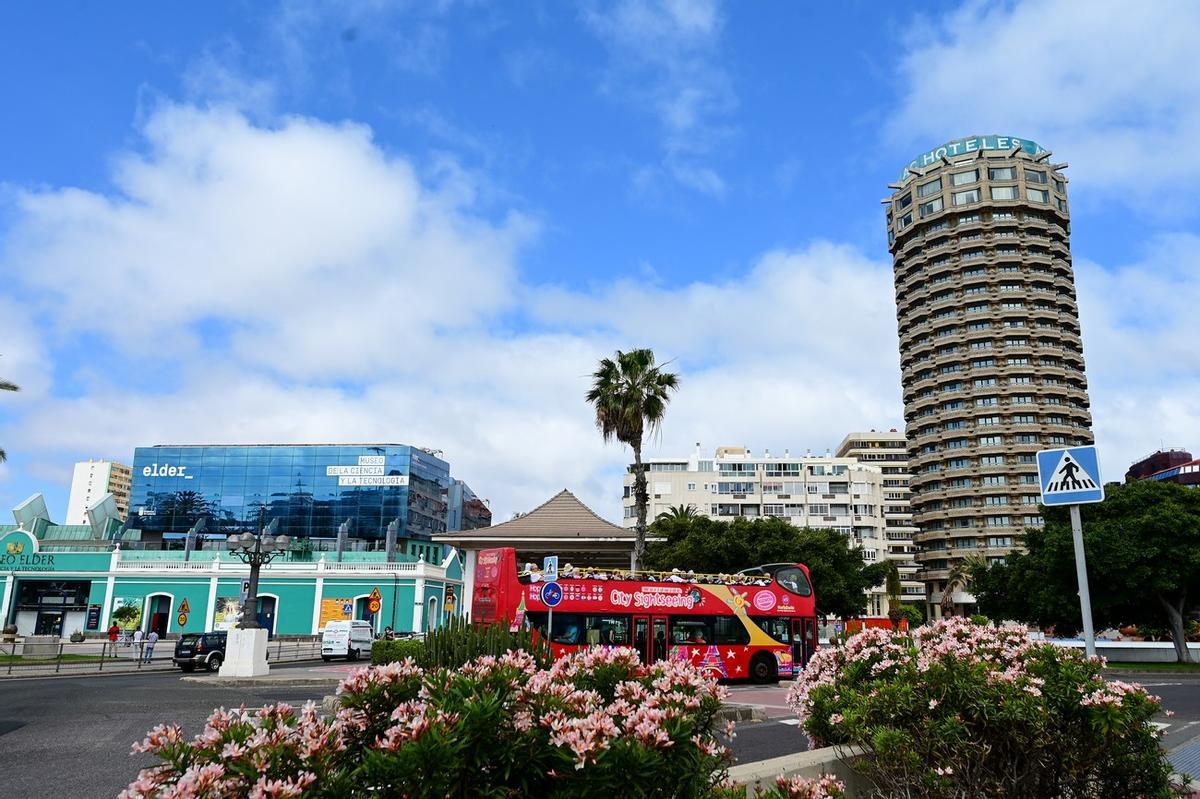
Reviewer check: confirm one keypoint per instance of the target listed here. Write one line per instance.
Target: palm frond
(7, 386)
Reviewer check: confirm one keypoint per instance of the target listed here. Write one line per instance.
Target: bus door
(804, 640)
(641, 637)
(659, 650)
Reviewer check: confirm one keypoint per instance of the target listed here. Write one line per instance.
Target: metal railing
(46, 659)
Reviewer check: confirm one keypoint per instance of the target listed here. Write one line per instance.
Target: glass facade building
(310, 488)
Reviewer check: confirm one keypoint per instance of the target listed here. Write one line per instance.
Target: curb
(741, 713)
(245, 682)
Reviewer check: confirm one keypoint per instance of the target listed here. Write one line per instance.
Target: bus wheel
(762, 669)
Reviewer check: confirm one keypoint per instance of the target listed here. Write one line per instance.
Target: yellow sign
(336, 610)
(182, 619)
(375, 595)
(15, 548)
(449, 603)
(185, 607)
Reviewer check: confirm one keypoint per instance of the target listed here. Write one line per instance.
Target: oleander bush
(595, 724)
(968, 710)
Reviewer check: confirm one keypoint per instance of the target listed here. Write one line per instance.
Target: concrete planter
(835, 760)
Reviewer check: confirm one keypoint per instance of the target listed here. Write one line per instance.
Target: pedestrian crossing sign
(1070, 476)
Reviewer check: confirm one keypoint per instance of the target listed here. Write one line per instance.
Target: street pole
(250, 606)
(1085, 598)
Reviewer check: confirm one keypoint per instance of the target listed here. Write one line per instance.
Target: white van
(346, 639)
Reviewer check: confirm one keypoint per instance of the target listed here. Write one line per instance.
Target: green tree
(630, 395)
(840, 575)
(1143, 554)
(679, 512)
(6, 386)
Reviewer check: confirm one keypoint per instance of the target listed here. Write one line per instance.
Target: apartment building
(839, 493)
(991, 357)
(888, 449)
(91, 481)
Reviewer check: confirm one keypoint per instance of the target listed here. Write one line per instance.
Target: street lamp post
(246, 644)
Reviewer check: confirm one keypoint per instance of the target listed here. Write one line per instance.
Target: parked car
(205, 650)
(346, 639)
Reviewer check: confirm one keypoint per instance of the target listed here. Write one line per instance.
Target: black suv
(206, 650)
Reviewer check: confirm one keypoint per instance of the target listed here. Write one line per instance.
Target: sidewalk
(323, 674)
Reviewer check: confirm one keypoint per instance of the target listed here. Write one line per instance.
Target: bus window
(592, 630)
(690, 630)
(608, 630)
(778, 627)
(709, 630)
(793, 580)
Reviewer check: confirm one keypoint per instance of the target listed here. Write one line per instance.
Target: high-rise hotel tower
(990, 352)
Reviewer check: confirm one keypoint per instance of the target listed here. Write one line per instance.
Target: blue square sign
(1070, 476)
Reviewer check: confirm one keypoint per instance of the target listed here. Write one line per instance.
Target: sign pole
(1071, 477)
(1085, 597)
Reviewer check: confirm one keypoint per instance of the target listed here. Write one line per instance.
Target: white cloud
(1139, 343)
(296, 282)
(664, 57)
(276, 232)
(1107, 86)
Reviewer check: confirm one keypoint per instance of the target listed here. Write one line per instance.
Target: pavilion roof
(562, 517)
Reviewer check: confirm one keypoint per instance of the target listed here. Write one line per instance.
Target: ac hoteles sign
(971, 144)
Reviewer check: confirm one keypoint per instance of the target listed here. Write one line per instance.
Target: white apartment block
(889, 450)
(839, 493)
(91, 481)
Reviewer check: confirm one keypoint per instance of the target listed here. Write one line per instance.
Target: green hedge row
(459, 642)
(396, 651)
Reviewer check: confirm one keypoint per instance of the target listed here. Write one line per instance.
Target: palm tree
(679, 513)
(631, 394)
(891, 587)
(6, 386)
(959, 579)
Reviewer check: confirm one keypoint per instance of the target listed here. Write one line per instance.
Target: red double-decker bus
(759, 624)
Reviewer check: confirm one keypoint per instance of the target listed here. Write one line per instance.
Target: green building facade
(51, 585)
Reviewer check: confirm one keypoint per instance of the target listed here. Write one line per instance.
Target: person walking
(137, 643)
(113, 633)
(151, 640)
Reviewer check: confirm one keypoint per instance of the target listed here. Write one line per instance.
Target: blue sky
(423, 222)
